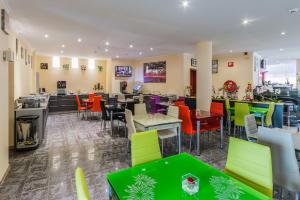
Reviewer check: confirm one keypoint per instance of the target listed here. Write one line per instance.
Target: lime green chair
(230, 115)
(268, 118)
(144, 147)
(240, 111)
(81, 186)
(250, 163)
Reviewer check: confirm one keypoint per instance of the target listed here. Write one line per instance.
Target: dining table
(158, 121)
(201, 116)
(164, 179)
(256, 111)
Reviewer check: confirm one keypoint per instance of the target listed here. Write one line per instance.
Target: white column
(204, 75)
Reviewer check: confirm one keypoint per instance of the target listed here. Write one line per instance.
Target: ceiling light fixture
(140, 53)
(130, 46)
(281, 49)
(61, 51)
(245, 22)
(283, 33)
(230, 51)
(106, 50)
(46, 35)
(184, 3)
(117, 56)
(63, 46)
(79, 40)
(151, 49)
(107, 43)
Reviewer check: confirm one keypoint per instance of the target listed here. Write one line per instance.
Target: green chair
(268, 118)
(144, 147)
(240, 111)
(81, 186)
(250, 163)
(230, 115)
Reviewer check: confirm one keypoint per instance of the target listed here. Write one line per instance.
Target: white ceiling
(162, 24)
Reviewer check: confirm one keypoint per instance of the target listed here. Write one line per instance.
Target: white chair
(251, 128)
(285, 166)
(140, 109)
(130, 125)
(173, 111)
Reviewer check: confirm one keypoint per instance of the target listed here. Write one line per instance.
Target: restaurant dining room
(149, 100)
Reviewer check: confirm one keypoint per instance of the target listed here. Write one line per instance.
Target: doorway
(193, 81)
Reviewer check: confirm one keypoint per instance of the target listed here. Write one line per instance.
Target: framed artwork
(155, 72)
(230, 64)
(66, 66)
(44, 66)
(215, 66)
(83, 67)
(4, 22)
(194, 62)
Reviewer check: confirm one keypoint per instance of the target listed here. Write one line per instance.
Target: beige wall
(76, 78)
(175, 75)
(4, 104)
(241, 73)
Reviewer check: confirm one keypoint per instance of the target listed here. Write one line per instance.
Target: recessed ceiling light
(79, 40)
(131, 46)
(245, 22)
(151, 49)
(63, 46)
(281, 49)
(140, 53)
(46, 35)
(230, 51)
(117, 56)
(283, 33)
(184, 3)
(106, 50)
(293, 10)
(107, 43)
(61, 51)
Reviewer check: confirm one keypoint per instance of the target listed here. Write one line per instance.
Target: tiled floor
(48, 172)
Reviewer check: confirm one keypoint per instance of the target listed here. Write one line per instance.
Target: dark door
(193, 81)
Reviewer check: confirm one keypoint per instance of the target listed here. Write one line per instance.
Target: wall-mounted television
(123, 71)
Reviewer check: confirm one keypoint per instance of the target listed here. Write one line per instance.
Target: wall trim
(5, 174)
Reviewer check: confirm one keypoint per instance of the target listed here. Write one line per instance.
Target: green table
(162, 180)
(258, 112)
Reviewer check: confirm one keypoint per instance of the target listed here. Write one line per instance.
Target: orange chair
(187, 125)
(91, 97)
(213, 124)
(79, 107)
(179, 103)
(96, 107)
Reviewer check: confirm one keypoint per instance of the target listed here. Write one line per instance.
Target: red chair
(79, 107)
(91, 100)
(187, 124)
(213, 124)
(96, 108)
(179, 103)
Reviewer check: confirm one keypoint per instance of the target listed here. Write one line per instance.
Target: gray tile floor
(48, 172)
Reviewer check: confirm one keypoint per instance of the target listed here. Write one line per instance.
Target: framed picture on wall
(194, 62)
(44, 66)
(215, 66)
(155, 72)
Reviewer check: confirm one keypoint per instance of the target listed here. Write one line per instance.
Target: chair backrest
(285, 165)
(144, 147)
(173, 111)
(227, 104)
(104, 111)
(250, 126)
(78, 102)
(152, 103)
(140, 109)
(240, 111)
(129, 123)
(179, 103)
(157, 98)
(217, 108)
(250, 163)
(185, 116)
(270, 114)
(113, 101)
(81, 186)
(96, 105)
(91, 96)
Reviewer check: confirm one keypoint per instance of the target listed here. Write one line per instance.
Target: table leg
(288, 117)
(222, 132)
(179, 138)
(229, 122)
(262, 120)
(111, 122)
(198, 137)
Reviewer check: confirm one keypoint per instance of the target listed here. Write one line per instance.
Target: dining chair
(105, 115)
(240, 111)
(250, 163)
(187, 125)
(144, 147)
(140, 109)
(179, 103)
(230, 115)
(96, 108)
(81, 186)
(91, 100)
(285, 166)
(79, 107)
(268, 118)
(173, 111)
(113, 101)
(130, 126)
(251, 128)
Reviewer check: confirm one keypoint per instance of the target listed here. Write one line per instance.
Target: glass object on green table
(190, 183)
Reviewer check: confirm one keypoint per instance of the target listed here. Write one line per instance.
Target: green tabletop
(162, 179)
(256, 110)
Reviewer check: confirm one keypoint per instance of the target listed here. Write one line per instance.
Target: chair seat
(82, 108)
(163, 134)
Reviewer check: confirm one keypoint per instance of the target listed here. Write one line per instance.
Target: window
(281, 72)
(91, 63)
(75, 63)
(56, 61)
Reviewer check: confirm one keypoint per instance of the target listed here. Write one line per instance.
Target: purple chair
(155, 108)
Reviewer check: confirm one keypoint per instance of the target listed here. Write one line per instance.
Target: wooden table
(158, 121)
(202, 116)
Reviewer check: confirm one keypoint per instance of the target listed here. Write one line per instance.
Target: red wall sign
(230, 64)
